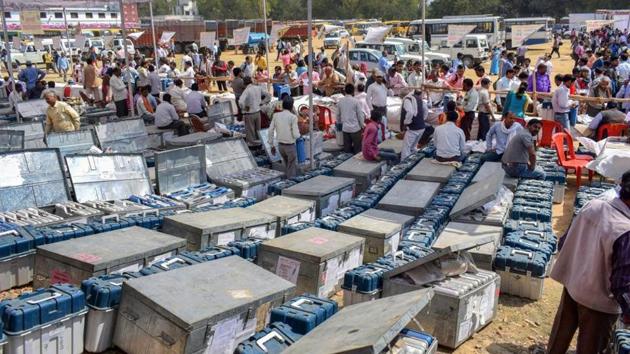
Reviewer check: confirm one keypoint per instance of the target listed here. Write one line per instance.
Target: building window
(58, 15)
(89, 15)
(74, 15)
(42, 15)
(113, 15)
(101, 15)
(7, 15)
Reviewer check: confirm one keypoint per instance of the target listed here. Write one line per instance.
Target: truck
(186, 33)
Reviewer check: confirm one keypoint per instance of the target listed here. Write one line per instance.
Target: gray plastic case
(205, 308)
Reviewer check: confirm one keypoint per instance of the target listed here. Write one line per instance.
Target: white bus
(437, 29)
(543, 35)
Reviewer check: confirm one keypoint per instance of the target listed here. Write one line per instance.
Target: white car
(368, 56)
(414, 46)
(332, 40)
(474, 48)
(395, 51)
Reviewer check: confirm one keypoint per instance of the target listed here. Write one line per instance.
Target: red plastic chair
(521, 121)
(571, 145)
(549, 128)
(573, 164)
(611, 129)
(324, 118)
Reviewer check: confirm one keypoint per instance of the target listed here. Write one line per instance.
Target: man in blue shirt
(457, 62)
(501, 132)
(383, 64)
(31, 75)
(63, 65)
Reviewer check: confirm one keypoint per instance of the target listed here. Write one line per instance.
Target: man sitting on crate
(519, 157)
(594, 267)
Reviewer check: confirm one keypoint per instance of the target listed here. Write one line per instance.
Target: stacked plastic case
(50, 320)
(17, 255)
(621, 341)
(556, 174)
(526, 257)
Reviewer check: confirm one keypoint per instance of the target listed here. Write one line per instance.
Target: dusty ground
(521, 326)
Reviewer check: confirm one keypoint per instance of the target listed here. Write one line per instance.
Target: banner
(31, 23)
(241, 36)
(166, 37)
(135, 35)
(592, 25)
(377, 34)
(132, 20)
(56, 42)
(457, 32)
(277, 29)
(520, 33)
(79, 41)
(207, 39)
(37, 42)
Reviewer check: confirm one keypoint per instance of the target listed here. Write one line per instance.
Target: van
(117, 44)
(474, 48)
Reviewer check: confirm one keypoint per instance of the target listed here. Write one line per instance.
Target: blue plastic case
(40, 307)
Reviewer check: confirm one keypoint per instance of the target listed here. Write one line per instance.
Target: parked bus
(437, 29)
(543, 35)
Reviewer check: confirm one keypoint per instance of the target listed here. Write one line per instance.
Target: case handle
(300, 302)
(167, 264)
(526, 222)
(531, 208)
(529, 255)
(271, 335)
(155, 212)
(110, 217)
(9, 232)
(536, 233)
(53, 296)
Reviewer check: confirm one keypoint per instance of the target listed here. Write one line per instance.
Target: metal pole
(155, 51)
(266, 45)
(6, 42)
(424, 38)
(309, 6)
(65, 22)
(127, 59)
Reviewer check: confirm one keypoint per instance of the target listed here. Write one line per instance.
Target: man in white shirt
(505, 83)
(352, 118)
(196, 102)
(449, 140)
(15, 97)
(437, 96)
(284, 130)
(247, 68)
(165, 68)
(377, 94)
(561, 103)
(415, 78)
(469, 106)
(166, 117)
(484, 108)
(623, 70)
(250, 103)
(143, 75)
(173, 73)
(186, 58)
(119, 93)
(362, 97)
(155, 82)
(188, 77)
(178, 96)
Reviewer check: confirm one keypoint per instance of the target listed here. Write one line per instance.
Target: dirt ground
(521, 326)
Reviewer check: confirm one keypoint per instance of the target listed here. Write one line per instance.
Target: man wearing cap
(377, 94)
(31, 75)
(60, 116)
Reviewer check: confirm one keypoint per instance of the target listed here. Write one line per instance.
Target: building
(186, 8)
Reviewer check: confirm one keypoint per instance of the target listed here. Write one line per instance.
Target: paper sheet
(225, 238)
(222, 340)
(288, 269)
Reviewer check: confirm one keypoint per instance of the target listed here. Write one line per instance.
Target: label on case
(465, 329)
(333, 204)
(160, 258)
(135, 267)
(346, 196)
(288, 269)
(225, 237)
(261, 232)
(223, 335)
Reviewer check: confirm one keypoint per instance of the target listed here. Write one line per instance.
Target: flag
(457, 32)
(135, 35)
